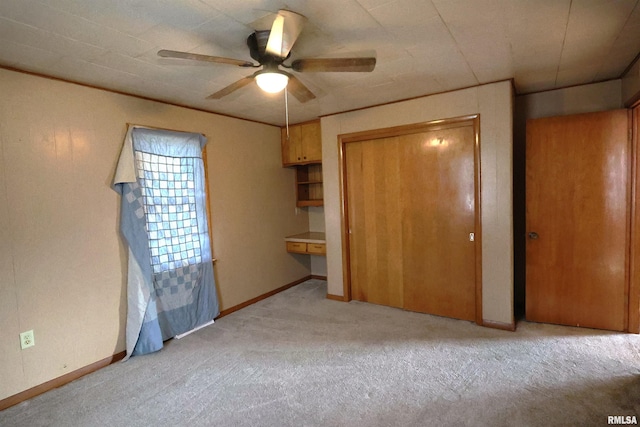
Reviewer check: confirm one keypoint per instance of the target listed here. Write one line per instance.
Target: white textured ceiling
(421, 46)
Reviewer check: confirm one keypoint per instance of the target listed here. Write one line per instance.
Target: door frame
(632, 317)
(344, 139)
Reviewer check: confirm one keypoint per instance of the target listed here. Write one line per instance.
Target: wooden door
(439, 213)
(577, 207)
(411, 207)
(375, 211)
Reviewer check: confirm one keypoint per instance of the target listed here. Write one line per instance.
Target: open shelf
(309, 190)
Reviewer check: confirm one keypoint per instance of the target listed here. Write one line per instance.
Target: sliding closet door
(375, 208)
(578, 219)
(438, 216)
(411, 209)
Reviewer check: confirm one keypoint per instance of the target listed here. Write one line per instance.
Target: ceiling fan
(271, 48)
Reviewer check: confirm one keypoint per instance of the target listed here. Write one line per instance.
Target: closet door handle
(533, 235)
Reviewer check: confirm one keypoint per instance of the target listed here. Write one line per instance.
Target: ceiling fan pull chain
(286, 110)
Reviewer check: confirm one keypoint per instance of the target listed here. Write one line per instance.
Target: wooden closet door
(373, 171)
(577, 207)
(438, 204)
(411, 207)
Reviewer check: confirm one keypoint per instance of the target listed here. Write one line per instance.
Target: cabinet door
(291, 146)
(311, 142)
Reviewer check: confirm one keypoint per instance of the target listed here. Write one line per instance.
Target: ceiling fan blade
(207, 58)
(264, 22)
(299, 90)
(232, 87)
(313, 65)
(276, 36)
(284, 32)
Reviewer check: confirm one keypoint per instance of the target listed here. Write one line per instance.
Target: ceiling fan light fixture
(272, 82)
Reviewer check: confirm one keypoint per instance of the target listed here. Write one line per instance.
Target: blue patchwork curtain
(163, 218)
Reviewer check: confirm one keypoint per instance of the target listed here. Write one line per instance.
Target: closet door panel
(375, 221)
(439, 213)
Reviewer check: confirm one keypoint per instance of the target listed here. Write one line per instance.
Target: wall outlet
(27, 339)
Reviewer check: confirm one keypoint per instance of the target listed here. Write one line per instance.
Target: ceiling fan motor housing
(257, 43)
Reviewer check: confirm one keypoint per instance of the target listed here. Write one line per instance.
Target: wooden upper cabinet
(304, 144)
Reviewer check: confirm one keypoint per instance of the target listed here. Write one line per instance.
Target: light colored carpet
(298, 359)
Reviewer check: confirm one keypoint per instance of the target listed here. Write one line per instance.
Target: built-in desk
(311, 242)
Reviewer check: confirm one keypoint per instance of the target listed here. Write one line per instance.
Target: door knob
(533, 235)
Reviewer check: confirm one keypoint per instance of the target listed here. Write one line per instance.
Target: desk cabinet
(311, 243)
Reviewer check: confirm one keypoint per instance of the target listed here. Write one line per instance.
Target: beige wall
(316, 223)
(572, 100)
(61, 258)
(494, 103)
(631, 84)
